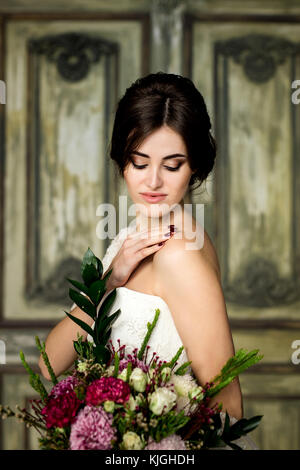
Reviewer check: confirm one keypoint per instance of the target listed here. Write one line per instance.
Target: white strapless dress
(130, 327)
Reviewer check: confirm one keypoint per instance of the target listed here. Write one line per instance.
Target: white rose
(132, 441)
(123, 374)
(138, 379)
(160, 398)
(166, 373)
(81, 366)
(197, 393)
(110, 370)
(150, 374)
(109, 406)
(132, 403)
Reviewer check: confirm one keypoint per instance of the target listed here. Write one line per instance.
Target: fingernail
(172, 228)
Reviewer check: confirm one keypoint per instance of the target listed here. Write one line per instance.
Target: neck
(173, 217)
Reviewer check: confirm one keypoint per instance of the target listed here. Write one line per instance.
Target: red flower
(107, 388)
(61, 410)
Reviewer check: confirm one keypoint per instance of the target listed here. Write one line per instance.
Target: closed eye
(169, 168)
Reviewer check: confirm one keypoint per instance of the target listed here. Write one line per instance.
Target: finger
(146, 232)
(147, 236)
(144, 252)
(154, 240)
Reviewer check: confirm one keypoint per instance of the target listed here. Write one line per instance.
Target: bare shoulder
(188, 256)
(200, 245)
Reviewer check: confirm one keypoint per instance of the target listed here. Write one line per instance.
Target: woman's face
(159, 165)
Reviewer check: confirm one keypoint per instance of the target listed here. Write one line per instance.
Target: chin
(152, 210)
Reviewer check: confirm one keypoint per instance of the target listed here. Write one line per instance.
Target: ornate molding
(73, 53)
(259, 54)
(259, 285)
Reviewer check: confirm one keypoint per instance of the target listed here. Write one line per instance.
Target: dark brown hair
(164, 99)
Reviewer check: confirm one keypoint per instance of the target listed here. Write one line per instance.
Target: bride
(162, 146)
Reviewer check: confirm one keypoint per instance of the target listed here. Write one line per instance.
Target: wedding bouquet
(117, 400)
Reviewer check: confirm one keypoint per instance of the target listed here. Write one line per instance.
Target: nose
(154, 179)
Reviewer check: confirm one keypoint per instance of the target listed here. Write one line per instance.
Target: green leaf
(91, 267)
(34, 379)
(101, 353)
(150, 328)
(243, 426)
(107, 303)
(218, 442)
(116, 367)
(83, 303)
(82, 348)
(89, 259)
(183, 368)
(82, 324)
(226, 424)
(45, 357)
(79, 285)
(96, 291)
(241, 361)
(173, 360)
(77, 347)
(107, 276)
(106, 336)
(103, 323)
(129, 370)
(89, 274)
(99, 267)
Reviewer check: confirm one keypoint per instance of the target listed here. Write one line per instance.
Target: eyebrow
(174, 155)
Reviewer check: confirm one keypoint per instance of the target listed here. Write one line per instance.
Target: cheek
(132, 179)
(182, 181)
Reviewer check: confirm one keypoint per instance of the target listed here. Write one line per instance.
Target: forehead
(162, 142)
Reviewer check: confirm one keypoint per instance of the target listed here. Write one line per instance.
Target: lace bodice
(137, 309)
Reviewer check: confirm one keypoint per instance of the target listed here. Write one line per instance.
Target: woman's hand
(135, 248)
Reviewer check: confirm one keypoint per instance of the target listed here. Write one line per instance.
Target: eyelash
(169, 168)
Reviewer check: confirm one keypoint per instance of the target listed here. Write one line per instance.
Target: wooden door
(245, 66)
(64, 75)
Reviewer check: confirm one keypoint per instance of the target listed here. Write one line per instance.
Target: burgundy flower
(135, 363)
(107, 388)
(61, 410)
(64, 386)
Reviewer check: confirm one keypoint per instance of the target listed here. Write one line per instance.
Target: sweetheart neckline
(142, 293)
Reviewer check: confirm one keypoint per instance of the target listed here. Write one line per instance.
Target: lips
(155, 198)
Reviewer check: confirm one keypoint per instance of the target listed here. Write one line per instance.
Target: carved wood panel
(245, 69)
(64, 75)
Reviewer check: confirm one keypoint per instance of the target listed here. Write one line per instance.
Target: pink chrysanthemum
(92, 430)
(173, 442)
(64, 386)
(135, 363)
(107, 388)
(61, 410)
